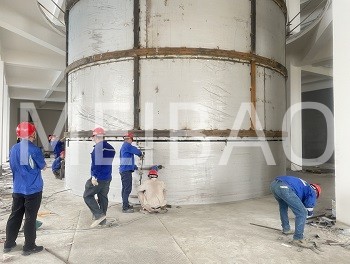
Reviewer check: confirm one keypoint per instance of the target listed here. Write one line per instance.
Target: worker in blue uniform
(26, 162)
(58, 166)
(57, 145)
(101, 175)
(126, 168)
(300, 197)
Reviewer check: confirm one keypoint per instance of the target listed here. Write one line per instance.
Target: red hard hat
(317, 188)
(153, 172)
(128, 135)
(25, 129)
(98, 131)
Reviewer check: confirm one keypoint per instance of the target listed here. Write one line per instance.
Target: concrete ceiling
(33, 52)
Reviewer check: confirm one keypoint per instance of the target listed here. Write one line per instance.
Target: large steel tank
(201, 83)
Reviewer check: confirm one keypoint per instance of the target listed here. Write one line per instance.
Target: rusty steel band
(281, 4)
(184, 133)
(195, 53)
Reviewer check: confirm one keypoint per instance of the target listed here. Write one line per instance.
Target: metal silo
(201, 83)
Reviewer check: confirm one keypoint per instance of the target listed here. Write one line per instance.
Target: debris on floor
(322, 221)
(7, 257)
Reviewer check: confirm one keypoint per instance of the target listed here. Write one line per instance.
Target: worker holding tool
(101, 175)
(58, 166)
(126, 168)
(300, 197)
(26, 162)
(151, 193)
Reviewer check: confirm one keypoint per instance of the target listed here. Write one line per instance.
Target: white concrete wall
(341, 58)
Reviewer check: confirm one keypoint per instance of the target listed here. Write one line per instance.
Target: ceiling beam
(35, 95)
(57, 81)
(31, 37)
(318, 70)
(32, 31)
(34, 60)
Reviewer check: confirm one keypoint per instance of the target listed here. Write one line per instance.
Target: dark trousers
(28, 206)
(98, 208)
(126, 187)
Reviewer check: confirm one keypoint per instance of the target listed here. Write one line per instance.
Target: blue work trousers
(286, 197)
(126, 177)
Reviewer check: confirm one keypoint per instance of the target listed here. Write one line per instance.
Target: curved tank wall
(192, 79)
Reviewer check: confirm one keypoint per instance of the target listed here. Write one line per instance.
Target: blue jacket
(127, 161)
(302, 189)
(26, 162)
(56, 165)
(57, 147)
(101, 161)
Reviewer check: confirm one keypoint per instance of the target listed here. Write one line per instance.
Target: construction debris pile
(327, 233)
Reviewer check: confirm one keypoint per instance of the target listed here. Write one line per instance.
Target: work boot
(8, 249)
(302, 243)
(35, 249)
(128, 210)
(103, 223)
(97, 221)
(289, 232)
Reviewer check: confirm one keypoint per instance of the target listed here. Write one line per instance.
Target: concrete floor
(219, 233)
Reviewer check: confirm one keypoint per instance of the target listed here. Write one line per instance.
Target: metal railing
(57, 21)
(306, 21)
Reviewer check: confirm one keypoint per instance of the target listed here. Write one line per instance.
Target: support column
(294, 92)
(295, 146)
(2, 86)
(4, 117)
(341, 58)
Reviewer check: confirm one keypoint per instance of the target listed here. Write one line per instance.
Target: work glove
(310, 214)
(94, 181)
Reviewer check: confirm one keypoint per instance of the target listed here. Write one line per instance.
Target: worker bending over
(151, 194)
(58, 166)
(300, 197)
(57, 145)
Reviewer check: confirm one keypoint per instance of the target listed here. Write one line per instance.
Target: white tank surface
(201, 84)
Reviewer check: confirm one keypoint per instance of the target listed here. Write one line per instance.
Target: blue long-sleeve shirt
(56, 165)
(101, 161)
(302, 189)
(127, 160)
(57, 147)
(26, 162)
